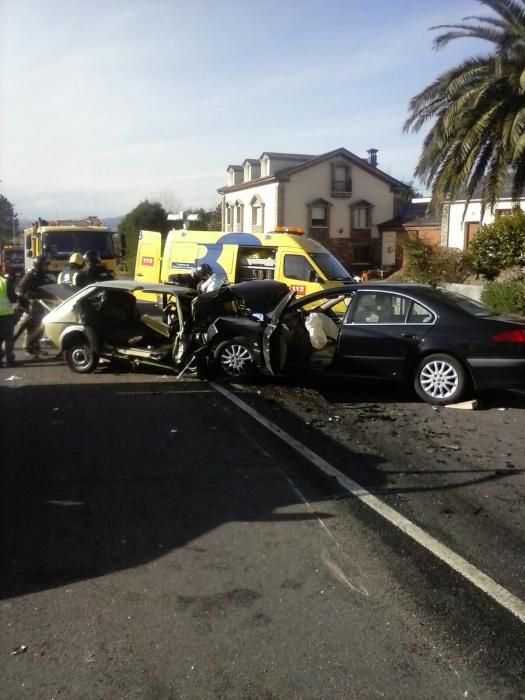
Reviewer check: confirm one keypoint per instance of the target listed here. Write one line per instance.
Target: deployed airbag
(321, 329)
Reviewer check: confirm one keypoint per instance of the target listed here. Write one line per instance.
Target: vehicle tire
(234, 360)
(440, 379)
(80, 356)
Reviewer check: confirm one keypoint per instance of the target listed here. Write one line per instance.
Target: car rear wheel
(234, 360)
(440, 379)
(80, 356)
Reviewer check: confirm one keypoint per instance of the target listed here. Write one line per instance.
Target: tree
(208, 220)
(500, 245)
(8, 221)
(409, 191)
(148, 216)
(478, 109)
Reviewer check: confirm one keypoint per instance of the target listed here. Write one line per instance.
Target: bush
(430, 264)
(512, 274)
(505, 297)
(499, 245)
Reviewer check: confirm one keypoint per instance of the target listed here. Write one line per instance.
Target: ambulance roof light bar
(299, 230)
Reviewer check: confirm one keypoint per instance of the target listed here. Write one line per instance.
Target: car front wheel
(440, 379)
(80, 357)
(234, 359)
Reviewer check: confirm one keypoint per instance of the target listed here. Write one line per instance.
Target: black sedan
(444, 344)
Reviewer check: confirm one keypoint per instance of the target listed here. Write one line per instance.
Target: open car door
(273, 350)
(147, 264)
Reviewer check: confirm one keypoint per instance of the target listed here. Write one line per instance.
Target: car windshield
(471, 306)
(331, 267)
(13, 256)
(61, 244)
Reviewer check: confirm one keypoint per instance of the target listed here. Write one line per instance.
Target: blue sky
(106, 103)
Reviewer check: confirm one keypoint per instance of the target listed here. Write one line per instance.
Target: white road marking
(160, 391)
(485, 583)
(332, 566)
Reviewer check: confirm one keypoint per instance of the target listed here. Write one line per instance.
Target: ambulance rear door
(147, 264)
(179, 258)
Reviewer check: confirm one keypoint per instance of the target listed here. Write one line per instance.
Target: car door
(381, 332)
(271, 341)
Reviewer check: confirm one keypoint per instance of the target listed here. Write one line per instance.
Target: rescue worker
(28, 294)
(7, 299)
(200, 275)
(195, 279)
(93, 271)
(69, 274)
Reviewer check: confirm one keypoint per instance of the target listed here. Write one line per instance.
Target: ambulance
(286, 255)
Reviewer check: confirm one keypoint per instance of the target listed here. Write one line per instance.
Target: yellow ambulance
(286, 255)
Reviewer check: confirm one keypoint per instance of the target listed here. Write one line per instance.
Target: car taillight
(515, 336)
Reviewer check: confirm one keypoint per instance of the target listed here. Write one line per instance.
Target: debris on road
(465, 405)
(19, 650)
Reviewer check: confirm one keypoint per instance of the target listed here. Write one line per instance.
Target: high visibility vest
(6, 308)
(67, 276)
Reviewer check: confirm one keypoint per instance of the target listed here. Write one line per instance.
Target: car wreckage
(442, 344)
(104, 321)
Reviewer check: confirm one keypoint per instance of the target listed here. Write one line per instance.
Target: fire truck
(12, 260)
(59, 239)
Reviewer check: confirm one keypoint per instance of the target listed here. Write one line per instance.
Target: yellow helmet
(77, 259)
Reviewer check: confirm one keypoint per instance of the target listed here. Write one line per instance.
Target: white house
(460, 225)
(338, 198)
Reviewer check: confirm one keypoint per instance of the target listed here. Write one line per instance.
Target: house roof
(234, 167)
(412, 214)
(506, 192)
(252, 161)
(307, 162)
(286, 156)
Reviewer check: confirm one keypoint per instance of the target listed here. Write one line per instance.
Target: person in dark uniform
(69, 274)
(195, 279)
(93, 271)
(29, 293)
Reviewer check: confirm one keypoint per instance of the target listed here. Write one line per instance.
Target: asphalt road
(157, 542)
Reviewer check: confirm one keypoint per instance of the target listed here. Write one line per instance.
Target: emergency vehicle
(12, 260)
(59, 239)
(286, 255)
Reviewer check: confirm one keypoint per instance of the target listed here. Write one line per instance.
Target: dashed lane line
(483, 582)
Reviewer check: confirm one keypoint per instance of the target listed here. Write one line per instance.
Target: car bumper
(489, 373)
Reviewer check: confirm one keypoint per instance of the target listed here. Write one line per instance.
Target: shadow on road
(98, 478)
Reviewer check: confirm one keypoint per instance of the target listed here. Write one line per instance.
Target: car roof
(153, 287)
(425, 291)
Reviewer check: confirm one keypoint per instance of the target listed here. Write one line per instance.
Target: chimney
(372, 153)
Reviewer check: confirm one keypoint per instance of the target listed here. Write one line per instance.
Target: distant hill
(112, 221)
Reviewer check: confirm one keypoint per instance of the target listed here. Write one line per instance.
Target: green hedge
(431, 264)
(505, 297)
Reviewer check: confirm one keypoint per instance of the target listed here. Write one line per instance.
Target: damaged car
(446, 346)
(106, 321)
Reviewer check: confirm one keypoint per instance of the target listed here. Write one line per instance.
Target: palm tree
(478, 108)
